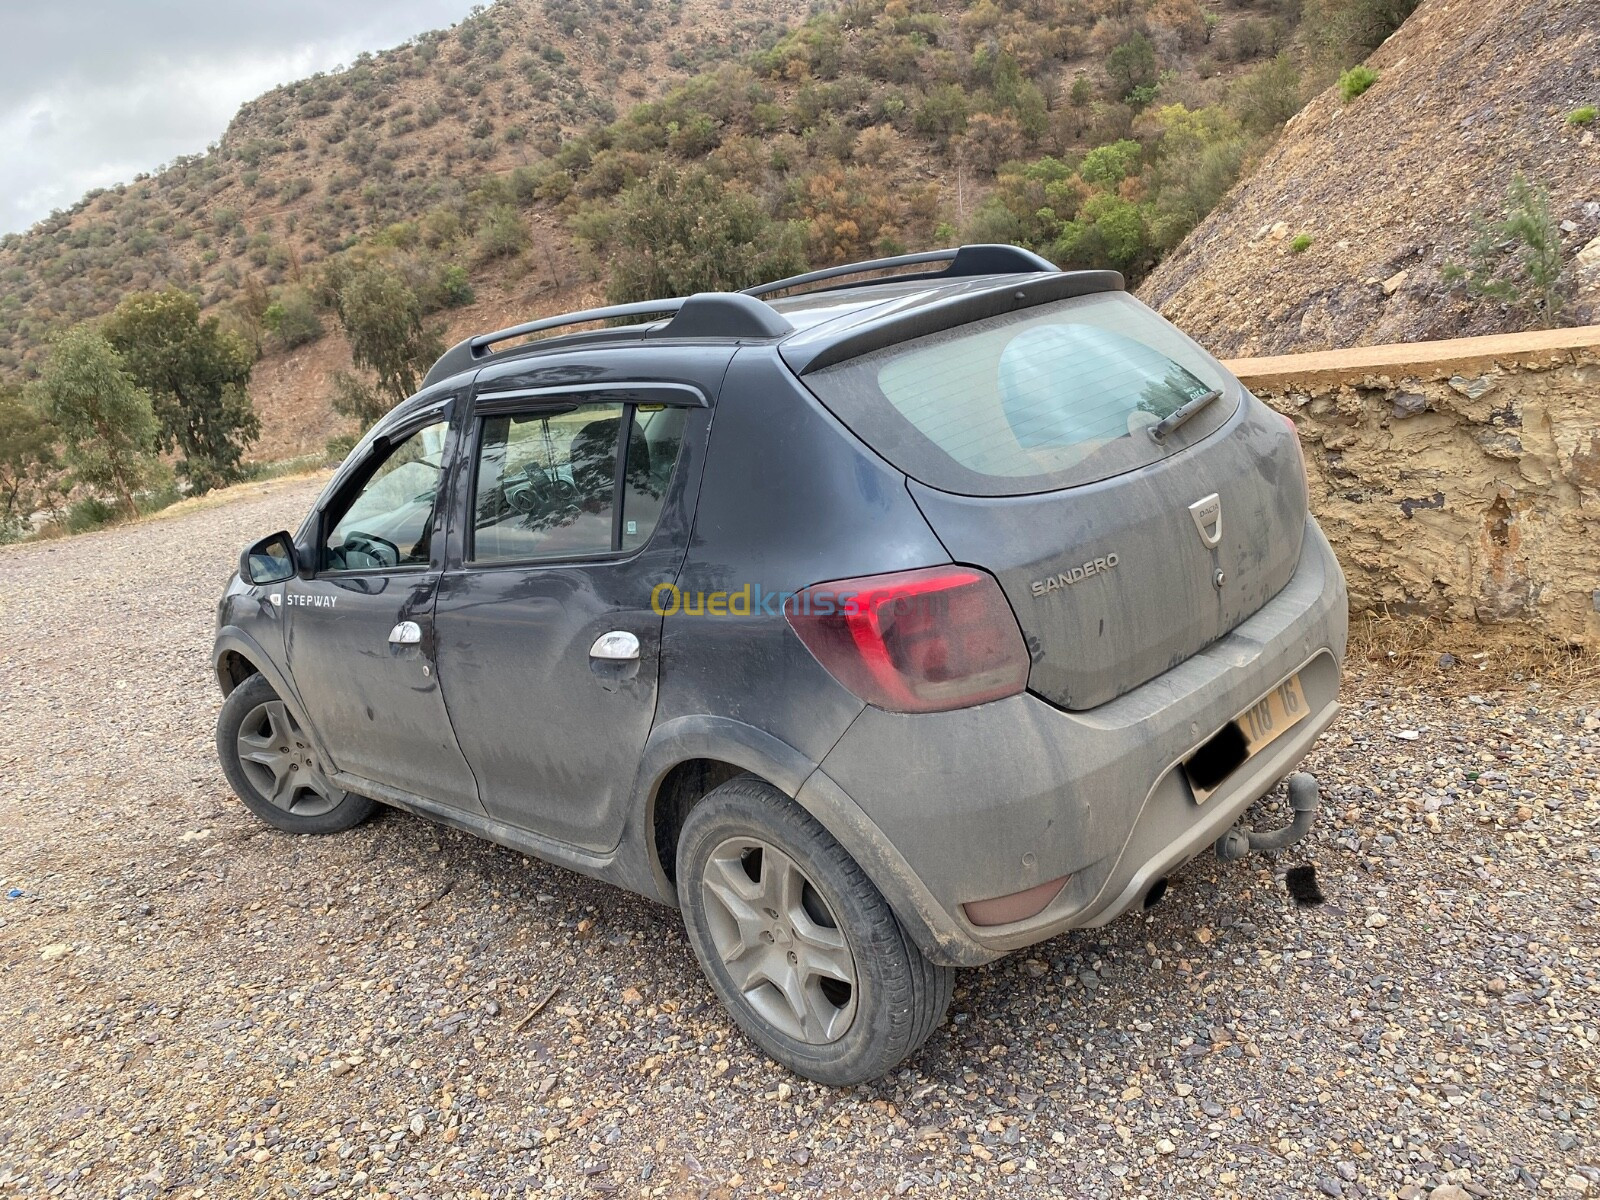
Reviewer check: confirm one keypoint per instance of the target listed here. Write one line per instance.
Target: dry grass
(294, 474)
(253, 487)
(1458, 656)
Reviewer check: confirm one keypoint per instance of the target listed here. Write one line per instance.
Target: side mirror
(271, 560)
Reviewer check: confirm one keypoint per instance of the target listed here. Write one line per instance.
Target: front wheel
(800, 947)
(269, 763)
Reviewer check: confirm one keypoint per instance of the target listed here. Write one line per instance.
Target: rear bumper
(949, 808)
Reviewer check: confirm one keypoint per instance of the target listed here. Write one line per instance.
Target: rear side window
(565, 483)
(651, 457)
(1031, 401)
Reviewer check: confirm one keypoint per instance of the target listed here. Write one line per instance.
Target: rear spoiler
(828, 344)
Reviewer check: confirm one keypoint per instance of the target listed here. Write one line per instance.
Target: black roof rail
(704, 315)
(742, 314)
(983, 259)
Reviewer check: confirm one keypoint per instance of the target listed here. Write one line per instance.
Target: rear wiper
(1178, 416)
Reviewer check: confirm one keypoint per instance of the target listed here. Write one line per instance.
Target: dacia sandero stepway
(884, 620)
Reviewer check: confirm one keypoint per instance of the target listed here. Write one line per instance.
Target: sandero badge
(527, 606)
(1094, 566)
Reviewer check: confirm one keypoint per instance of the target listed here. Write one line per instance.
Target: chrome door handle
(617, 646)
(407, 633)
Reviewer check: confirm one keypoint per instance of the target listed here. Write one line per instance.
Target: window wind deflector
(490, 403)
(1173, 420)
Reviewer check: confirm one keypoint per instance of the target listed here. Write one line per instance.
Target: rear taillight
(915, 641)
(1305, 475)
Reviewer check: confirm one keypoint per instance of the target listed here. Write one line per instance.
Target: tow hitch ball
(1305, 797)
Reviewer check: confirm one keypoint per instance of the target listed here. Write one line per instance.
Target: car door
(578, 506)
(358, 630)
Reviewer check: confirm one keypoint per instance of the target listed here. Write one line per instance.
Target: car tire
(762, 884)
(270, 765)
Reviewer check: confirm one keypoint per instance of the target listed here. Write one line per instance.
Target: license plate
(1268, 719)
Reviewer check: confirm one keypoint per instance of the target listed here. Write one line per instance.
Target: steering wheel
(531, 492)
(382, 551)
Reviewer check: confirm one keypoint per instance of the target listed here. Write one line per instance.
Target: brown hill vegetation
(945, 93)
(1345, 233)
(307, 168)
(547, 152)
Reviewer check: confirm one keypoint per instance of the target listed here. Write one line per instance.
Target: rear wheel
(269, 763)
(798, 944)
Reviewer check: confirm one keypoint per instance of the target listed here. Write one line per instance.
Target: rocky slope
(1386, 188)
(306, 169)
(865, 127)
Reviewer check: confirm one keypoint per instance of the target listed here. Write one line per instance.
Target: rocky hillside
(307, 168)
(544, 152)
(1345, 232)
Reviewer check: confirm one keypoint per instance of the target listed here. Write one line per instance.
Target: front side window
(390, 522)
(557, 484)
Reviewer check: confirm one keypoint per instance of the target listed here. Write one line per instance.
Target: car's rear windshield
(1031, 401)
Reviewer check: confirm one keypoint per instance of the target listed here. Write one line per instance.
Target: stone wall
(1458, 479)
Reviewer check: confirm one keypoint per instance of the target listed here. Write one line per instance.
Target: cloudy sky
(92, 92)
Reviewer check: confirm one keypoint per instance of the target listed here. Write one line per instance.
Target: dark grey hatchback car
(884, 627)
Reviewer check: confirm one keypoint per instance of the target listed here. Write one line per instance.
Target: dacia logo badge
(1207, 514)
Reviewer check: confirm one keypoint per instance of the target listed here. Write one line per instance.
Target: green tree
(454, 287)
(1345, 31)
(382, 317)
(1268, 96)
(1196, 160)
(1109, 232)
(943, 114)
(1109, 165)
(29, 465)
(292, 318)
(107, 426)
(501, 234)
(358, 399)
(680, 232)
(1029, 204)
(1014, 92)
(1517, 259)
(1132, 65)
(196, 374)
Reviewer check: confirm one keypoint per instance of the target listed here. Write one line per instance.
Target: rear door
(1033, 447)
(577, 507)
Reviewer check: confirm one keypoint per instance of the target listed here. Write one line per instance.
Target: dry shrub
(1460, 656)
(879, 144)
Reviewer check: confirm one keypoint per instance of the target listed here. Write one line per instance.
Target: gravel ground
(192, 1004)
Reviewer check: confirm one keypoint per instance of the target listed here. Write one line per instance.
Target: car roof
(810, 328)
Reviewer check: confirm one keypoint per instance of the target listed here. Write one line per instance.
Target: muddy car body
(885, 627)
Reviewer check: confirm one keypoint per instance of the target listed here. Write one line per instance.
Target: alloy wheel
(280, 764)
(779, 941)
